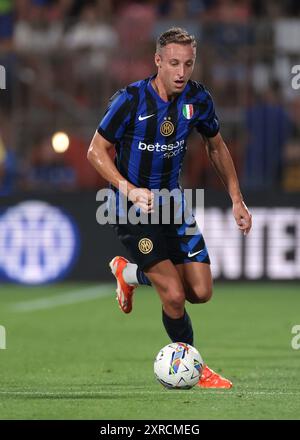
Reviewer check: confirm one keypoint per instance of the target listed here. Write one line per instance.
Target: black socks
(142, 278)
(179, 330)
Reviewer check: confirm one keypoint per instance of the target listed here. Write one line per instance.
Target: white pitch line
(75, 296)
(141, 392)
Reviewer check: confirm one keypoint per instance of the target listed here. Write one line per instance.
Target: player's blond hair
(175, 35)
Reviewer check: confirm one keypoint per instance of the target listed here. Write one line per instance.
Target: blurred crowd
(65, 58)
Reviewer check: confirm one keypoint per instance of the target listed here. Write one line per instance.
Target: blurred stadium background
(63, 60)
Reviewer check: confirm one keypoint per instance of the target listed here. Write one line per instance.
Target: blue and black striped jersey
(150, 134)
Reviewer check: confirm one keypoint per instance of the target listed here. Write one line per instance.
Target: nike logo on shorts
(190, 255)
(141, 118)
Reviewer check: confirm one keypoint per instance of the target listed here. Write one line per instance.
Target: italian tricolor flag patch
(188, 111)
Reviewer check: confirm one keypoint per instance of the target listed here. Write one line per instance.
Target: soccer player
(148, 123)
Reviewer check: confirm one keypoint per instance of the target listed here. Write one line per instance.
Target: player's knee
(200, 294)
(175, 299)
(176, 303)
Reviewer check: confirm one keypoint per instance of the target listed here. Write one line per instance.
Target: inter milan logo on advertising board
(38, 243)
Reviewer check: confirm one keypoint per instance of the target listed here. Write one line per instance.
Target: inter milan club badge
(188, 111)
(167, 128)
(145, 245)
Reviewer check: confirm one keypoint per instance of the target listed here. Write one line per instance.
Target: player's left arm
(223, 164)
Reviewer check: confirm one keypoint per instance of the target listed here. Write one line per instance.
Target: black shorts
(150, 243)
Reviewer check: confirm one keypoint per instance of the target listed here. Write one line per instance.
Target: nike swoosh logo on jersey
(141, 118)
(195, 253)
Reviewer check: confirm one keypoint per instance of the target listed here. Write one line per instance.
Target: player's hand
(242, 217)
(143, 198)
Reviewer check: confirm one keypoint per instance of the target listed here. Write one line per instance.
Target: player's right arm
(98, 155)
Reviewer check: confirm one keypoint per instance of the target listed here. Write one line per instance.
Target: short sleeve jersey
(150, 134)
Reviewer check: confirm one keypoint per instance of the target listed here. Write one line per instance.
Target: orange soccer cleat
(124, 290)
(210, 379)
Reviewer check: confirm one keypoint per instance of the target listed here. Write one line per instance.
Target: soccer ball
(178, 365)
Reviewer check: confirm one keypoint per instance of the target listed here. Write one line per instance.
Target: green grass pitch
(71, 354)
